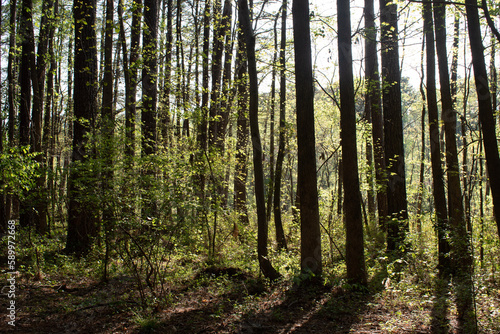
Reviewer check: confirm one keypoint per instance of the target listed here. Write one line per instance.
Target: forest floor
(228, 300)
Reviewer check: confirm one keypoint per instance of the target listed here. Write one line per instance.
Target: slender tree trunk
(485, 107)
(373, 116)
(11, 98)
(310, 259)
(262, 229)
(448, 115)
(81, 215)
(202, 135)
(436, 164)
(11, 91)
(241, 170)
(397, 226)
(108, 132)
(374, 103)
(280, 234)
(355, 259)
(166, 114)
(272, 117)
(149, 102)
(40, 215)
(420, 194)
(26, 75)
(149, 77)
(216, 59)
(226, 98)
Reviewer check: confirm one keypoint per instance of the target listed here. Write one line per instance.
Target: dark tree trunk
(225, 104)
(81, 215)
(355, 259)
(202, 119)
(149, 77)
(310, 258)
(262, 229)
(272, 117)
(241, 169)
(27, 70)
(107, 131)
(11, 91)
(449, 118)
(40, 195)
(485, 107)
(280, 234)
(373, 105)
(397, 226)
(166, 114)
(436, 164)
(216, 59)
(149, 103)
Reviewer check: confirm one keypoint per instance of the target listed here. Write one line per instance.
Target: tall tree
(262, 228)
(27, 68)
(438, 187)
(149, 101)
(373, 105)
(107, 130)
(38, 79)
(10, 71)
(397, 205)
(355, 259)
(485, 107)
(280, 235)
(448, 115)
(81, 217)
(130, 69)
(149, 77)
(241, 169)
(310, 258)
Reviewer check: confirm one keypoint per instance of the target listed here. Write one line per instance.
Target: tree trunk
(241, 169)
(397, 226)
(310, 259)
(436, 164)
(40, 214)
(355, 259)
(449, 118)
(373, 107)
(149, 77)
(485, 107)
(107, 131)
(26, 75)
(262, 229)
(149, 102)
(81, 215)
(280, 234)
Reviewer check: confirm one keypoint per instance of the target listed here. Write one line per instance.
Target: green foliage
(18, 171)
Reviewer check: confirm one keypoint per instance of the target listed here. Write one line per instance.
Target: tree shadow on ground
(440, 323)
(250, 307)
(309, 309)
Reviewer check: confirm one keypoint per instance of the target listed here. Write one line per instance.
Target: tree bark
(485, 107)
(355, 259)
(397, 226)
(262, 229)
(436, 164)
(374, 105)
(81, 216)
(280, 234)
(241, 169)
(310, 259)
(449, 118)
(27, 68)
(149, 77)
